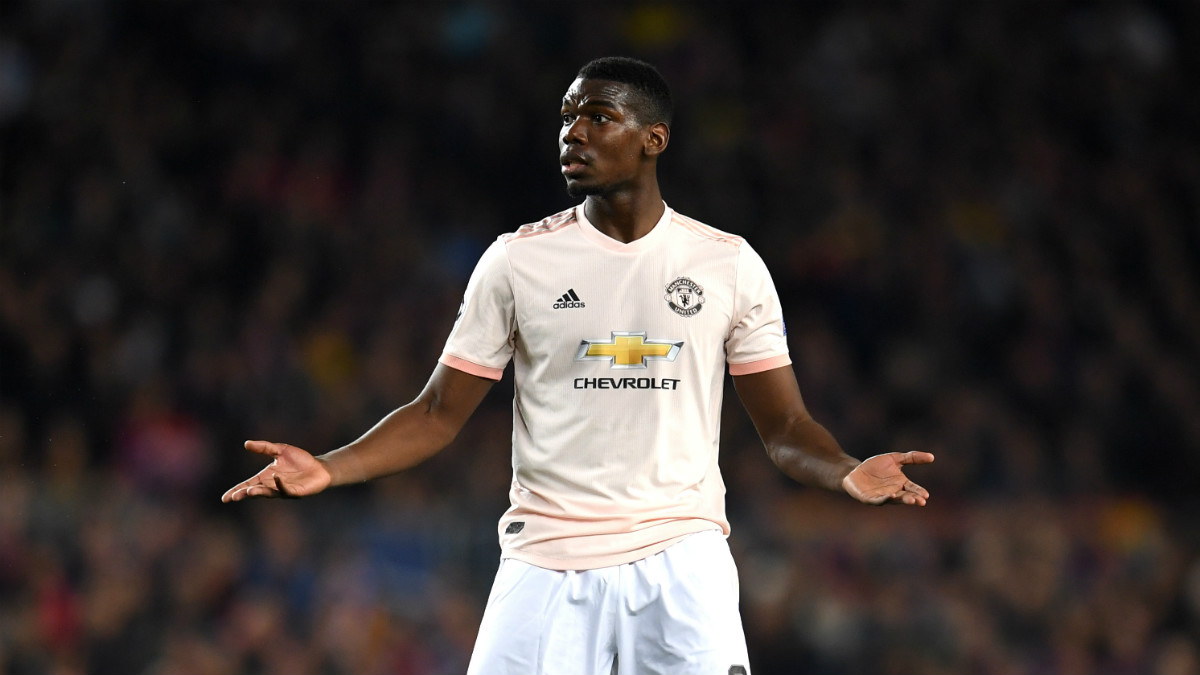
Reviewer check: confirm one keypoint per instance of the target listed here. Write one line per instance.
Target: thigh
(544, 622)
(681, 615)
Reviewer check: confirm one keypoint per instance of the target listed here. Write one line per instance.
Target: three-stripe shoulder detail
(706, 231)
(543, 226)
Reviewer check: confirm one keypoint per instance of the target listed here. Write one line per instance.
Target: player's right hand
(292, 473)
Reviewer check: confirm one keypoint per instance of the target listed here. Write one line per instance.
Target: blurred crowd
(222, 221)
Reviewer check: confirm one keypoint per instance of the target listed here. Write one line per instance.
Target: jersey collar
(650, 240)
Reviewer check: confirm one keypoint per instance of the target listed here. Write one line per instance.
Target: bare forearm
(809, 454)
(412, 433)
(404, 438)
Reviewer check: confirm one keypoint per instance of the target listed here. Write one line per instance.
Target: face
(602, 146)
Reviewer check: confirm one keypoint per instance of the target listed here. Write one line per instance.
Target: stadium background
(255, 220)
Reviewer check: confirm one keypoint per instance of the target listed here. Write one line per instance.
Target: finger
(236, 493)
(916, 457)
(265, 448)
(913, 494)
(905, 498)
(247, 490)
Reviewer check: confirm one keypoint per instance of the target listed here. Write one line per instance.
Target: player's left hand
(880, 480)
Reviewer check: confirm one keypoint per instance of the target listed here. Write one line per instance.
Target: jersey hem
(598, 561)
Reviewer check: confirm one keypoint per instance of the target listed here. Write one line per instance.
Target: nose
(573, 133)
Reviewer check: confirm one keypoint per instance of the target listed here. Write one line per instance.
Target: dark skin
(610, 154)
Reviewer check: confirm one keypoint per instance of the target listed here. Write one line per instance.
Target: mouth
(572, 164)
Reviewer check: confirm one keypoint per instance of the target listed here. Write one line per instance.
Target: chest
(628, 304)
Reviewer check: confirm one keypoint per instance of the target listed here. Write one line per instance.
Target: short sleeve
(758, 339)
(481, 342)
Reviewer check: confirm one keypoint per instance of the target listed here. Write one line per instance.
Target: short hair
(643, 77)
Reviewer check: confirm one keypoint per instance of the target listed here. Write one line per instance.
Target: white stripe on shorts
(673, 613)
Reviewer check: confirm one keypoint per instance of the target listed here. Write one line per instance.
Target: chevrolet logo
(628, 350)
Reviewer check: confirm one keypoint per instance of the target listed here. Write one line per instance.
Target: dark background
(231, 220)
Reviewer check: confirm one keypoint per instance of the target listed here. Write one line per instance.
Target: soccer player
(620, 316)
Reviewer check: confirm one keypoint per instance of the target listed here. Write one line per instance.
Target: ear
(657, 137)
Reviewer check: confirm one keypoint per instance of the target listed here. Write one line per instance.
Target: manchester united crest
(685, 296)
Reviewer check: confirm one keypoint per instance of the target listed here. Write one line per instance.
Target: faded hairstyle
(655, 105)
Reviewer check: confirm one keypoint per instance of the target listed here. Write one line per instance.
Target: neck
(625, 216)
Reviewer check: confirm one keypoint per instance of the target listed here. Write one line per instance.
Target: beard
(576, 190)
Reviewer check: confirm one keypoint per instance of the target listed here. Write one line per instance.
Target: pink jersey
(619, 354)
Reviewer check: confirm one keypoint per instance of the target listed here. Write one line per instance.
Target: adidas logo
(569, 301)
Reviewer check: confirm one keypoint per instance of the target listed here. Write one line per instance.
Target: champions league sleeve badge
(685, 296)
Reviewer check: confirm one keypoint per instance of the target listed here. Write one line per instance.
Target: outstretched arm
(808, 453)
(404, 438)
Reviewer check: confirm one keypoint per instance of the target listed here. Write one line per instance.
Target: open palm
(292, 473)
(880, 479)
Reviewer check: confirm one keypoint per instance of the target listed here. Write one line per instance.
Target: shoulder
(728, 246)
(697, 229)
(544, 226)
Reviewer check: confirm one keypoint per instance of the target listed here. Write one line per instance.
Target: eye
(567, 118)
(600, 118)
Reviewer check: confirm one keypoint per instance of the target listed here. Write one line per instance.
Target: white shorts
(674, 613)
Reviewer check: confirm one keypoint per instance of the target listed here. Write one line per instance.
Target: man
(620, 316)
